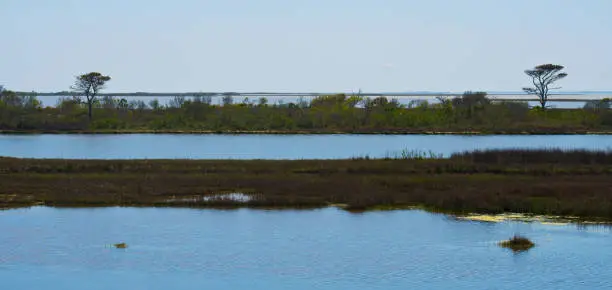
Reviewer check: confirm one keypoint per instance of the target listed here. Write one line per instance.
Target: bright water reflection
(152, 146)
(48, 248)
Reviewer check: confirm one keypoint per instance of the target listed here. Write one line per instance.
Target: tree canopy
(89, 85)
(542, 77)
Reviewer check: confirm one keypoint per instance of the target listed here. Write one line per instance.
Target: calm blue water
(48, 248)
(271, 146)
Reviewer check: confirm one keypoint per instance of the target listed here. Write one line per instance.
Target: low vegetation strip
(86, 110)
(576, 183)
(473, 113)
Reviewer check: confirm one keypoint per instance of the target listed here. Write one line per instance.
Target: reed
(536, 156)
(120, 246)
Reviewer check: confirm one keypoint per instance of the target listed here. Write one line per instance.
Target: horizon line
(311, 94)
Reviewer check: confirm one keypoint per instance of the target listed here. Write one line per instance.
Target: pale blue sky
(303, 45)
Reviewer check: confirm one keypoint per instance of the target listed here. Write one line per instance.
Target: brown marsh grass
(551, 182)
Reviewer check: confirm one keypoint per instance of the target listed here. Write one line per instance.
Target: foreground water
(151, 146)
(50, 248)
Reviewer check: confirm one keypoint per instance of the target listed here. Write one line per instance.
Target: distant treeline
(334, 113)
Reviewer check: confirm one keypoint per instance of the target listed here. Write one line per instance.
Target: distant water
(152, 146)
(65, 249)
(406, 100)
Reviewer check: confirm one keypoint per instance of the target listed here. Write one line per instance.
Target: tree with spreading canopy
(542, 77)
(89, 85)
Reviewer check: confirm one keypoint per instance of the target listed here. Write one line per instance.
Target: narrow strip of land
(471, 113)
(538, 182)
(398, 131)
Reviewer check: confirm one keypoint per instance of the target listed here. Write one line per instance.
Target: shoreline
(553, 220)
(300, 132)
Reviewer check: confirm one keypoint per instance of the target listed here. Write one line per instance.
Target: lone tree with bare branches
(542, 77)
(89, 85)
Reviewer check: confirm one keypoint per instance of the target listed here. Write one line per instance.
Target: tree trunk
(89, 107)
(543, 100)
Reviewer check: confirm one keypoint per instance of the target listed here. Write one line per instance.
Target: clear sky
(304, 45)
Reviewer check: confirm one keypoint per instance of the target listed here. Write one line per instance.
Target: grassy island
(576, 183)
(517, 244)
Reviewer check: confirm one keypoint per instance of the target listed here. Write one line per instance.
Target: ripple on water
(327, 248)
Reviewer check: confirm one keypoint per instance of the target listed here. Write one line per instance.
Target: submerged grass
(517, 244)
(547, 182)
(120, 246)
